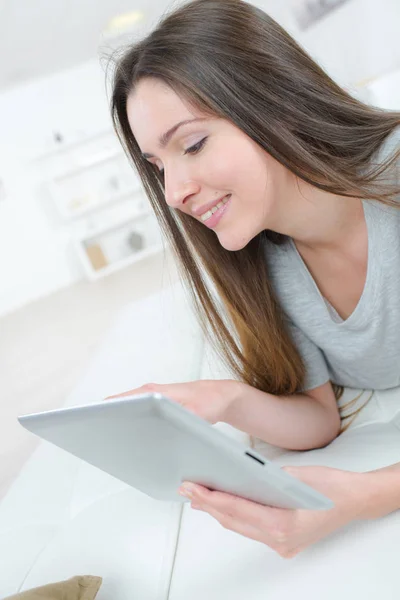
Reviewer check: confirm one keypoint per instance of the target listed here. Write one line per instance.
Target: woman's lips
(215, 218)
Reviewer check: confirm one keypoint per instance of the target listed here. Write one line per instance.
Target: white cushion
(360, 561)
(63, 517)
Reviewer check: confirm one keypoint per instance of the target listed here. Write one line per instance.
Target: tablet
(154, 444)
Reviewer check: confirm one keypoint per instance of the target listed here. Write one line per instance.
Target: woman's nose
(178, 195)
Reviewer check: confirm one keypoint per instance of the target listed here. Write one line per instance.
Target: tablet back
(154, 444)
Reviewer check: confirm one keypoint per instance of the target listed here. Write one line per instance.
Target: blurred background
(77, 239)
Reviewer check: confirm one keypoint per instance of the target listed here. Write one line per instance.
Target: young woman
(281, 189)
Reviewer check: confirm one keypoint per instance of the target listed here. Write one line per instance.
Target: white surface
(62, 517)
(360, 561)
(356, 41)
(385, 90)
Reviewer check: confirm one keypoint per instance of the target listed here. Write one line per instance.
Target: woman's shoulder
(389, 147)
(392, 142)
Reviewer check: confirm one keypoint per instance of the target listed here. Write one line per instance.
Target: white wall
(357, 42)
(35, 254)
(385, 91)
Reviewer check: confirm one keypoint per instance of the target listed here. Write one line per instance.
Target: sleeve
(317, 372)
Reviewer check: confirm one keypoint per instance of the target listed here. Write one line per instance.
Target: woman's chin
(231, 244)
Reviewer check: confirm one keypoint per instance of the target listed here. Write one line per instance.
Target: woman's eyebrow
(166, 137)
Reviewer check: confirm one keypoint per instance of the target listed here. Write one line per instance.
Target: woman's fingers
(148, 387)
(276, 521)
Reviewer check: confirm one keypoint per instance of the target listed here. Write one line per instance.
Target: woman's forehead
(153, 108)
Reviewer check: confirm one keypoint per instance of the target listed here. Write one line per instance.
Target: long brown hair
(231, 60)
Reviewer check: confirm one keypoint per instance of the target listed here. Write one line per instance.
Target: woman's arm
(297, 422)
(384, 491)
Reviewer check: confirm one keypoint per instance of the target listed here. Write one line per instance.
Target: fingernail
(187, 490)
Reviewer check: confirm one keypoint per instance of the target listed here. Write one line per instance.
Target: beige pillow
(83, 587)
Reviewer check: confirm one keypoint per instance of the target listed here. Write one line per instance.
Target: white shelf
(125, 262)
(92, 162)
(101, 230)
(88, 210)
(101, 200)
(109, 249)
(65, 148)
(83, 190)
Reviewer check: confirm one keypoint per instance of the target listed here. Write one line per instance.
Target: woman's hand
(208, 399)
(287, 531)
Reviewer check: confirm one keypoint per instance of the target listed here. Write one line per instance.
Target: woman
(281, 188)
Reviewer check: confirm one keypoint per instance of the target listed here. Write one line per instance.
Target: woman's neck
(320, 221)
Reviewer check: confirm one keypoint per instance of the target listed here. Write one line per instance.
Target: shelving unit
(112, 248)
(86, 189)
(98, 195)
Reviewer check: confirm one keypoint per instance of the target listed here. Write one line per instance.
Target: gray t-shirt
(362, 351)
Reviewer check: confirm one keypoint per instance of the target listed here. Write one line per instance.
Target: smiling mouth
(214, 209)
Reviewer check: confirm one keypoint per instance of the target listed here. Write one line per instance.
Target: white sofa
(63, 517)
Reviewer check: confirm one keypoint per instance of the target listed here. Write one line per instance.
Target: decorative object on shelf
(308, 12)
(135, 241)
(96, 256)
(111, 248)
(58, 137)
(113, 183)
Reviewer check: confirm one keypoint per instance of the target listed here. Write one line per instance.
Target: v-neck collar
(367, 299)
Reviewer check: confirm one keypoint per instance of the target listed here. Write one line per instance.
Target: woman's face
(207, 160)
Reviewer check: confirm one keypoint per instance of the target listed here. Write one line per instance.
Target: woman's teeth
(214, 209)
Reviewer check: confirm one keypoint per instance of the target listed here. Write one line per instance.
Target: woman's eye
(196, 148)
(192, 150)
